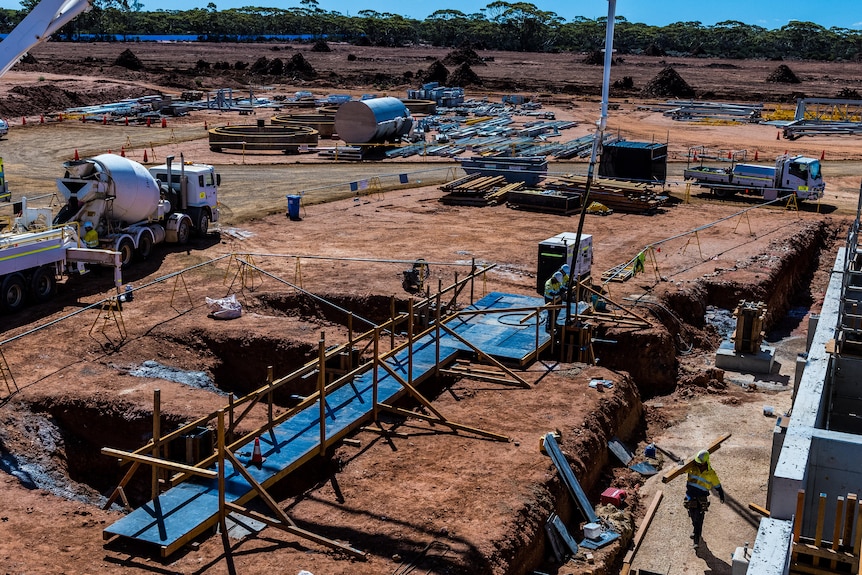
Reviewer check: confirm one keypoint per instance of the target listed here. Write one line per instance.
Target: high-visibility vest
(91, 238)
(552, 288)
(703, 480)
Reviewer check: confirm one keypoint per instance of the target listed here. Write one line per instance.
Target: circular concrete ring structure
(325, 125)
(328, 110)
(375, 120)
(420, 106)
(287, 139)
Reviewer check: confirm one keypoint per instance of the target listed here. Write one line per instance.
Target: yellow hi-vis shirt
(703, 480)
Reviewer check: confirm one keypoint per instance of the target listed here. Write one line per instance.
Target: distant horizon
(769, 14)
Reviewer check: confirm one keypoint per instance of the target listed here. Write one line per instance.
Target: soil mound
(668, 83)
(29, 59)
(299, 66)
(463, 55)
(783, 75)
(127, 59)
(46, 97)
(653, 50)
(595, 58)
(321, 46)
(464, 75)
(436, 72)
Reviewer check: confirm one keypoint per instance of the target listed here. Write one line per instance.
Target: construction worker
(91, 236)
(553, 288)
(564, 269)
(701, 479)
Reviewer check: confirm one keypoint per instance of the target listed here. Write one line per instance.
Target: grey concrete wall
(809, 407)
(835, 471)
(771, 552)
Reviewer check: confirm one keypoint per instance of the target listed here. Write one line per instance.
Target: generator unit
(560, 249)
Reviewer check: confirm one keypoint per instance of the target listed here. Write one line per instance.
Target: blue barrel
(293, 207)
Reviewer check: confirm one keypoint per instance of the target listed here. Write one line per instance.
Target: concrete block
(729, 359)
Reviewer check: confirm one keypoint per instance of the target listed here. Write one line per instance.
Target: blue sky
(766, 13)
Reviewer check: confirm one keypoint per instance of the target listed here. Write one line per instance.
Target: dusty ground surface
(482, 504)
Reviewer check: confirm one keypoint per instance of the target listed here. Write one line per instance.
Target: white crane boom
(46, 18)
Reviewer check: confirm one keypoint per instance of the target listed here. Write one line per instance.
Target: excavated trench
(779, 277)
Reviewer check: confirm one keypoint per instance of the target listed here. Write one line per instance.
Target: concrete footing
(728, 358)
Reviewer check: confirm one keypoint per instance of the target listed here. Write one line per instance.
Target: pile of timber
(478, 190)
(618, 195)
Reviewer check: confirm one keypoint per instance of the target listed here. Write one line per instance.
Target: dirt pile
(668, 83)
(46, 97)
(436, 72)
(463, 55)
(128, 60)
(321, 46)
(653, 50)
(464, 75)
(300, 67)
(595, 58)
(783, 75)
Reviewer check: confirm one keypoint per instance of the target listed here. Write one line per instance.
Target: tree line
(513, 26)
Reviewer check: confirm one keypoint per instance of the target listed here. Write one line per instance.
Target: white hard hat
(702, 456)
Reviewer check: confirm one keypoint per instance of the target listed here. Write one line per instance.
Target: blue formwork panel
(189, 508)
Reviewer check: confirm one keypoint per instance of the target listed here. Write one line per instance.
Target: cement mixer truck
(132, 209)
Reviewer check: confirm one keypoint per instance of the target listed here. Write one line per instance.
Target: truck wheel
(203, 224)
(127, 251)
(145, 246)
(12, 293)
(43, 284)
(723, 193)
(184, 231)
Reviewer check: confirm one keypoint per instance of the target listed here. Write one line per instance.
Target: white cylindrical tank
(136, 193)
(373, 120)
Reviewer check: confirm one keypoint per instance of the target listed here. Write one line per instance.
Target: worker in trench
(91, 236)
(701, 479)
(553, 289)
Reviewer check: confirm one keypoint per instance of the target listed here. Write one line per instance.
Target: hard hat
(88, 225)
(559, 277)
(702, 456)
(565, 269)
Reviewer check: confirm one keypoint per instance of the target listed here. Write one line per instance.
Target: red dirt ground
(481, 503)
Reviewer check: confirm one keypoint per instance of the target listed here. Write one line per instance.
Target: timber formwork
(499, 328)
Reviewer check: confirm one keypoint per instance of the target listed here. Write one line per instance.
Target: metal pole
(410, 343)
(597, 143)
(269, 379)
(375, 367)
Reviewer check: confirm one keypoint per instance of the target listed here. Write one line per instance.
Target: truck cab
(802, 175)
(191, 189)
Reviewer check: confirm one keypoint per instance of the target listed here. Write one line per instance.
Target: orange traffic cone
(76, 155)
(122, 151)
(127, 120)
(695, 157)
(104, 119)
(822, 155)
(23, 121)
(755, 155)
(256, 457)
(164, 122)
(730, 155)
(777, 135)
(41, 118)
(145, 157)
(205, 125)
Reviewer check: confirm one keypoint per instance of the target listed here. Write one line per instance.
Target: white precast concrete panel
(137, 194)
(373, 120)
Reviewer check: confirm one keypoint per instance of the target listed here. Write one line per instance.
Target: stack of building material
(547, 201)
(478, 190)
(617, 195)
